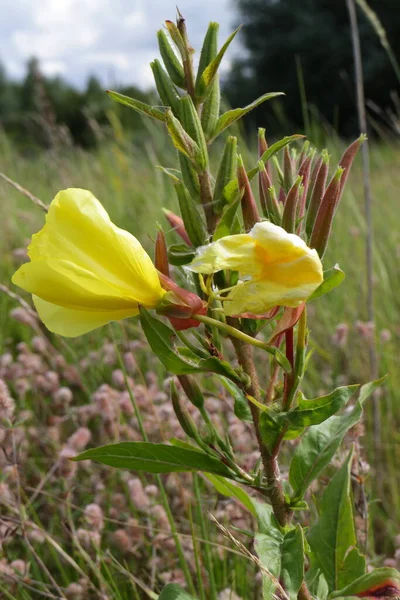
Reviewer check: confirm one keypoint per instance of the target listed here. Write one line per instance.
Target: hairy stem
(270, 463)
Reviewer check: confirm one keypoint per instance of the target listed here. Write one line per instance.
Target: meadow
(76, 532)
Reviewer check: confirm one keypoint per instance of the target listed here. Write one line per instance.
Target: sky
(112, 39)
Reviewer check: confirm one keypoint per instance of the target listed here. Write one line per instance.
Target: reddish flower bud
(249, 207)
(290, 210)
(179, 305)
(177, 224)
(323, 223)
(304, 172)
(317, 192)
(161, 254)
(347, 160)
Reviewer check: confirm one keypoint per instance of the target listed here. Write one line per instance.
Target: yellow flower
(84, 271)
(275, 267)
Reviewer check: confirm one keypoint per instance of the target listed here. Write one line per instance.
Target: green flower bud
(249, 206)
(192, 390)
(189, 176)
(182, 141)
(185, 420)
(192, 124)
(210, 111)
(290, 209)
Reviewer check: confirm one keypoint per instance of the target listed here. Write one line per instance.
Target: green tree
(290, 43)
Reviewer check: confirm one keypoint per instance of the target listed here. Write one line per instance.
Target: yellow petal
(235, 252)
(72, 322)
(79, 230)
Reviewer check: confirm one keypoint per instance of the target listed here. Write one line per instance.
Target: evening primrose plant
(238, 278)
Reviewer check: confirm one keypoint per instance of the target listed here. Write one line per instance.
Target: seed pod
(209, 50)
(210, 111)
(323, 223)
(268, 201)
(182, 140)
(249, 206)
(172, 63)
(185, 420)
(226, 172)
(165, 87)
(192, 390)
(317, 192)
(287, 169)
(189, 176)
(304, 172)
(192, 124)
(290, 209)
(192, 219)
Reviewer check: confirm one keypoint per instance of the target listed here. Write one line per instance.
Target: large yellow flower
(84, 271)
(276, 268)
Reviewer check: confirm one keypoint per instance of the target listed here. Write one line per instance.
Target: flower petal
(71, 322)
(79, 230)
(275, 244)
(236, 252)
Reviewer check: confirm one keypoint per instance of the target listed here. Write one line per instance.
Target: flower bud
(161, 254)
(171, 61)
(269, 203)
(290, 208)
(323, 223)
(317, 192)
(185, 420)
(192, 219)
(179, 305)
(304, 172)
(249, 207)
(226, 172)
(165, 87)
(287, 169)
(210, 110)
(192, 390)
(209, 49)
(176, 36)
(347, 160)
(192, 124)
(177, 223)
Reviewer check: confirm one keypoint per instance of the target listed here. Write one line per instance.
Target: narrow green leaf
(378, 583)
(203, 84)
(241, 405)
(181, 139)
(231, 116)
(332, 279)
(318, 446)
(173, 591)
(333, 537)
(314, 412)
(153, 458)
(180, 254)
(229, 489)
(160, 337)
(138, 106)
(229, 223)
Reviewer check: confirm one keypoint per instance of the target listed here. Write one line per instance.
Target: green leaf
(229, 223)
(333, 537)
(283, 555)
(319, 444)
(231, 116)
(378, 583)
(173, 591)
(226, 488)
(180, 254)
(204, 83)
(160, 337)
(241, 406)
(265, 517)
(153, 458)
(138, 106)
(332, 279)
(314, 412)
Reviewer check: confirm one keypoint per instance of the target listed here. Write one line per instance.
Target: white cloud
(106, 38)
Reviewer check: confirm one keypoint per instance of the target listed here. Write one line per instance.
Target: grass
(122, 175)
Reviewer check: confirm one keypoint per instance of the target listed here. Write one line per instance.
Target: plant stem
(304, 594)
(274, 483)
(233, 332)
